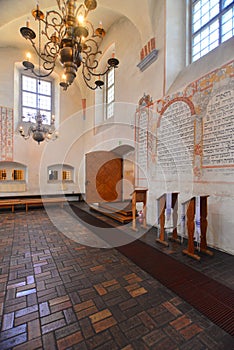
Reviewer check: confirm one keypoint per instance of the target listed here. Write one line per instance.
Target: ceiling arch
(13, 16)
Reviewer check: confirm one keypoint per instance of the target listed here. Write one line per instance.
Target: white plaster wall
(175, 39)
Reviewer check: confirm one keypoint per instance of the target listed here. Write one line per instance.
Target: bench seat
(10, 203)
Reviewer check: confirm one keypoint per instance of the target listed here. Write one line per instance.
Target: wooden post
(190, 227)
(162, 207)
(139, 195)
(204, 224)
(175, 237)
(134, 211)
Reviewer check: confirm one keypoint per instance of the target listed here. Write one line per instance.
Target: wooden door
(103, 177)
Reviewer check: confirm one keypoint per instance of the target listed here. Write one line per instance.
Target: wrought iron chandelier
(38, 130)
(70, 38)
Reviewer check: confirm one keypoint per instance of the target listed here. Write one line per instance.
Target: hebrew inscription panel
(176, 138)
(218, 130)
(142, 140)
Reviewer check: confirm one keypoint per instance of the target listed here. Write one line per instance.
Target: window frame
(107, 90)
(64, 173)
(52, 96)
(218, 16)
(3, 174)
(12, 172)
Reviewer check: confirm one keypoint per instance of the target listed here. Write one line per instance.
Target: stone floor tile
(69, 340)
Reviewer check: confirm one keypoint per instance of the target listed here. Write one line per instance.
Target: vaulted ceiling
(14, 14)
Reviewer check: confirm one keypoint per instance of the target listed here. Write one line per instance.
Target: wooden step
(123, 218)
(124, 208)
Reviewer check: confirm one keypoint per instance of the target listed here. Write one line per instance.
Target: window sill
(12, 181)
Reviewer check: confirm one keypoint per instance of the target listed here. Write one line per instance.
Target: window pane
(110, 110)
(204, 51)
(205, 33)
(29, 84)
(44, 103)
(204, 43)
(197, 6)
(44, 87)
(196, 26)
(214, 11)
(66, 175)
(29, 100)
(53, 175)
(110, 95)
(110, 80)
(196, 49)
(205, 19)
(46, 117)
(214, 45)
(196, 57)
(3, 174)
(28, 115)
(214, 36)
(18, 175)
(196, 17)
(227, 16)
(214, 26)
(205, 9)
(227, 36)
(196, 39)
(227, 25)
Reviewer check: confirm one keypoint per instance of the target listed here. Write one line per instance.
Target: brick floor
(58, 294)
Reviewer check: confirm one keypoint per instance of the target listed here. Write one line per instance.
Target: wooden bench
(10, 203)
(40, 201)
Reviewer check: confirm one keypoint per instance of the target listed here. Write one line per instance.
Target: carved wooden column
(204, 224)
(139, 195)
(190, 227)
(162, 207)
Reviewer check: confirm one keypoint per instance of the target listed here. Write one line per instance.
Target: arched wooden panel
(103, 177)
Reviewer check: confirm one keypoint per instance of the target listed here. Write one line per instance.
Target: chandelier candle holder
(71, 39)
(38, 130)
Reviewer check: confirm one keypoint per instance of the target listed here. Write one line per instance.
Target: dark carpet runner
(211, 298)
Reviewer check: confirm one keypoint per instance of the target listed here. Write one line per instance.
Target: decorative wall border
(6, 134)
